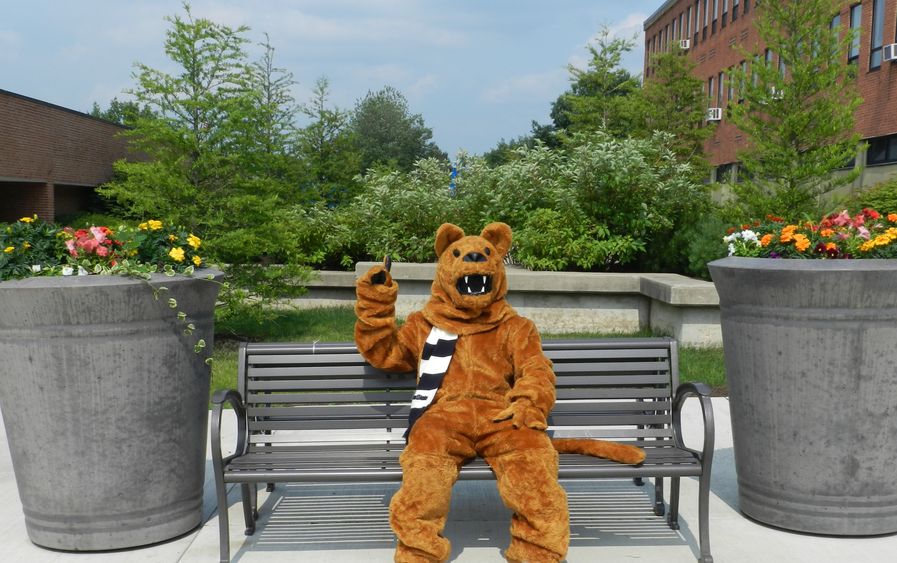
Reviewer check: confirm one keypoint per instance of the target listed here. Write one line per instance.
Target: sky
(478, 71)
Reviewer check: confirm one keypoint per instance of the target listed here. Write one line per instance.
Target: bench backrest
(606, 388)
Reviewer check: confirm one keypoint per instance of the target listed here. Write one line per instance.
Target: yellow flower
(197, 260)
(9, 249)
(26, 245)
(867, 246)
(27, 219)
(142, 226)
(154, 225)
(193, 241)
(172, 238)
(177, 254)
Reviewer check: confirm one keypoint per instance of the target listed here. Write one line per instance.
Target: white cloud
(539, 86)
(631, 28)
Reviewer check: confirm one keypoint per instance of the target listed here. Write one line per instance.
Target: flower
(30, 247)
(177, 254)
(866, 234)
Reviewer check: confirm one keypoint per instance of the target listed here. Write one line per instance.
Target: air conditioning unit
(714, 114)
(684, 44)
(890, 52)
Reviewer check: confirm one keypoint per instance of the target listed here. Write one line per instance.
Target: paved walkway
(611, 521)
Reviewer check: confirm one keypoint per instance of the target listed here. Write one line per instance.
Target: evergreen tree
(601, 97)
(798, 111)
(387, 133)
(673, 101)
(121, 112)
(327, 150)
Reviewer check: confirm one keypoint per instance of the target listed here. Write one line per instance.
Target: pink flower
(841, 219)
(70, 245)
(98, 234)
(863, 233)
(102, 251)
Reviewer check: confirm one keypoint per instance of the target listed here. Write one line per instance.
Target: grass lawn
(337, 324)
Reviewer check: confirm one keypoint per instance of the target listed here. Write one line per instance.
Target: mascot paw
(523, 414)
(378, 276)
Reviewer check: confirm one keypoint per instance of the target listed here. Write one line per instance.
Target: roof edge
(664, 8)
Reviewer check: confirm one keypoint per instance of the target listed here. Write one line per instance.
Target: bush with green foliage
(880, 196)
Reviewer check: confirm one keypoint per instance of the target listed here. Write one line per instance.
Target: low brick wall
(685, 308)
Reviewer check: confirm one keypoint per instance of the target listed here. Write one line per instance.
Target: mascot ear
(499, 234)
(446, 235)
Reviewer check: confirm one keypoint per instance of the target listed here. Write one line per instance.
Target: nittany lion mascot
(484, 388)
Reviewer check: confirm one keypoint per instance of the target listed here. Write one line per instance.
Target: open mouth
(474, 284)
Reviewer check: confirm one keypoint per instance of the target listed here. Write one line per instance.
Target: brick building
(713, 28)
(52, 158)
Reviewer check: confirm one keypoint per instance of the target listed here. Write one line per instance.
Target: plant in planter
(809, 320)
(103, 395)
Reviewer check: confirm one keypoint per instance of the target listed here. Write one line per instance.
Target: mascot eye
(488, 252)
(456, 252)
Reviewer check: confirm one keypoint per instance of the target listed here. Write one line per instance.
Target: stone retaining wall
(685, 308)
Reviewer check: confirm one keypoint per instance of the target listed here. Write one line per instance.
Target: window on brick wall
(688, 23)
(715, 16)
(878, 33)
(721, 78)
(856, 17)
(734, 10)
(882, 150)
(697, 19)
(747, 7)
(706, 20)
(725, 12)
(683, 33)
(711, 91)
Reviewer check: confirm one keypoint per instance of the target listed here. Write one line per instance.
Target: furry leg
(419, 508)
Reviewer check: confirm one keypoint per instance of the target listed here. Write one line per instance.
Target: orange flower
(788, 233)
(831, 246)
(766, 239)
(892, 217)
(801, 242)
(826, 232)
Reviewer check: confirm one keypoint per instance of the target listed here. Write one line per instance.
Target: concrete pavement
(611, 521)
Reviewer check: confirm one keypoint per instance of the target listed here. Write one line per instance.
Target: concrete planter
(106, 407)
(810, 350)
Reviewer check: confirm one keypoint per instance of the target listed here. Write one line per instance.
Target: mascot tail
(600, 448)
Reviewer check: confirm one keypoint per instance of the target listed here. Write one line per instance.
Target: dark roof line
(54, 106)
(659, 12)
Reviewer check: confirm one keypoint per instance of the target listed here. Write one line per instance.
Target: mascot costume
(484, 388)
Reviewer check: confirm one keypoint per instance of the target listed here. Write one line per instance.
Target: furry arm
(533, 394)
(376, 335)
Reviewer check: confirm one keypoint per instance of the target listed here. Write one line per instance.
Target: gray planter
(811, 359)
(106, 407)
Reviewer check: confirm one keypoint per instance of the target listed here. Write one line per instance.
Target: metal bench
(320, 413)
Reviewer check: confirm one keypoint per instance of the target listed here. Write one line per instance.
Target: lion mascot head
(468, 293)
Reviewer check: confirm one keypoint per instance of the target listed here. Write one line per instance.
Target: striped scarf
(434, 362)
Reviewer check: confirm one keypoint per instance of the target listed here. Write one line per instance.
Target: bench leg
(659, 508)
(248, 507)
(673, 517)
(223, 535)
(704, 517)
(638, 482)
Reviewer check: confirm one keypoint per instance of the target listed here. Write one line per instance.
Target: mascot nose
(474, 257)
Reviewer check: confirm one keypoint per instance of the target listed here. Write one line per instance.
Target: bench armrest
(702, 391)
(221, 397)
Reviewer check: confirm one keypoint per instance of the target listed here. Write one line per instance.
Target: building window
(675, 31)
(747, 7)
(730, 94)
(725, 12)
(715, 16)
(734, 10)
(683, 33)
(706, 20)
(856, 16)
(697, 19)
(688, 23)
(741, 86)
(719, 89)
(882, 150)
(878, 33)
(710, 91)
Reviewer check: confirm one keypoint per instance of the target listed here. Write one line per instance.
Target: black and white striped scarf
(434, 362)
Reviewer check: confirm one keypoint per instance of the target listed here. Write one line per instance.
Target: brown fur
(493, 402)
